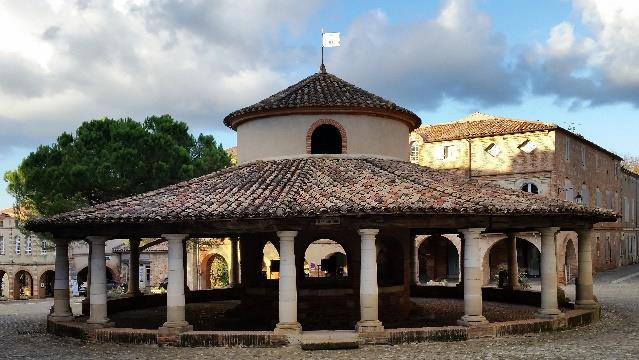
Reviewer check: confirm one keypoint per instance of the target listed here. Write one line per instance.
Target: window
(569, 190)
(608, 200)
(414, 152)
(567, 149)
(18, 245)
(616, 169)
(27, 247)
(585, 193)
(583, 156)
(445, 152)
(527, 146)
(43, 247)
(599, 200)
(1, 245)
(493, 149)
(626, 209)
(530, 187)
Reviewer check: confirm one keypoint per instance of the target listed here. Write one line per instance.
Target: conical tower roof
(323, 93)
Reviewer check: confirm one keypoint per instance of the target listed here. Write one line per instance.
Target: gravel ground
(23, 336)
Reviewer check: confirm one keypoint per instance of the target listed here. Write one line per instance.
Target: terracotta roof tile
(479, 125)
(322, 92)
(316, 185)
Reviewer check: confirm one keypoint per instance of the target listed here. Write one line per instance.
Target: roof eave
(411, 120)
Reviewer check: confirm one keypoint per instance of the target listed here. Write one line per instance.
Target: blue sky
(561, 61)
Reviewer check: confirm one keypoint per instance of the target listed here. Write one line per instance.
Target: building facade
(545, 159)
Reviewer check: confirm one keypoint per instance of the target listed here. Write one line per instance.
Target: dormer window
(530, 187)
(527, 146)
(493, 149)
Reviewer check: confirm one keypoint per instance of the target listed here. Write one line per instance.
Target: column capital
(98, 239)
(287, 234)
(368, 232)
(175, 237)
(549, 231)
(471, 231)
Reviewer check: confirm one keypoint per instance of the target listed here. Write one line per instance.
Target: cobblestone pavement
(23, 336)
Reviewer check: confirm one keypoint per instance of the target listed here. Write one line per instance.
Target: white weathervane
(329, 39)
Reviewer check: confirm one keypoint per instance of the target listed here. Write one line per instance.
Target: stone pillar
(184, 266)
(61, 302)
(549, 306)
(97, 289)
(134, 268)
(415, 269)
(175, 299)
(585, 296)
(513, 266)
(287, 285)
(368, 291)
(234, 279)
(462, 244)
(472, 279)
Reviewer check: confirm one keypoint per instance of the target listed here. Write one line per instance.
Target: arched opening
(4, 282)
(23, 285)
(570, 263)
(270, 262)
(390, 263)
(216, 272)
(325, 258)
(47, 280)
(496, 259)
(530, 187)
(414, 152)
(438, 260)
(326, 139)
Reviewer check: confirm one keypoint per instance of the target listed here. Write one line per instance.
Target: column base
(586, 305)
(60, 318)
(103, 323)
(549, 314)
(472, 320)
(369, 326)
(292, 328)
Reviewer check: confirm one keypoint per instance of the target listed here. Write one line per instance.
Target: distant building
(545, 159)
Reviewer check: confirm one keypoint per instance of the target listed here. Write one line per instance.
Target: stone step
(329, 340)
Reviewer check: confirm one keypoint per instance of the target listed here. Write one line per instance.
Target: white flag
(330, 39)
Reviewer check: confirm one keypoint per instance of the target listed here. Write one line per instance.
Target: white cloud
(456, 54)
(64, 62)
(596, 68)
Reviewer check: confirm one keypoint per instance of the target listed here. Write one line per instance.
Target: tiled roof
(323, 93)
(316, 185)
(479, 125)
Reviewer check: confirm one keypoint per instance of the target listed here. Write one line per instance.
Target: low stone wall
(126, 303)
(229, 338)
(126, 336)
(573, 318)
(524, 297)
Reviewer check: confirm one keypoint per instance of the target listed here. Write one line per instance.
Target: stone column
(368, 290)
(184, 266)
(472, 279)
(415, 269)
(175, 299)
(549, 306)
(585, 296)
(134, 268)
(287, 285)
(97, 288)
(234, 279)
(61, 302)
(513, 266)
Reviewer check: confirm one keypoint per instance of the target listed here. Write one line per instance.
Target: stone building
(26, 261)
(540, 158)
